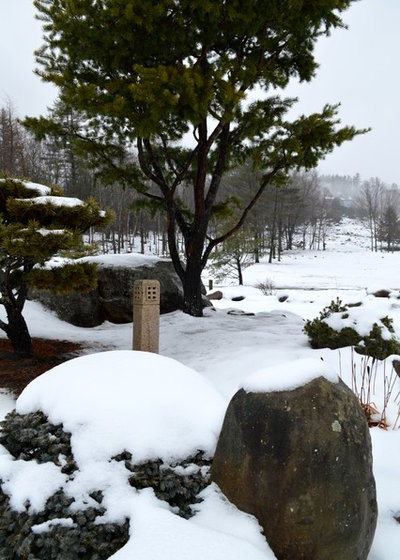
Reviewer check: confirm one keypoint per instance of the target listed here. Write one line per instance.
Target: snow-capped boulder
(300, 460)
(112, 300)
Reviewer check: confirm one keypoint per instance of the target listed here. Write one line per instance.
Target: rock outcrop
(300, 461)
(112, 300)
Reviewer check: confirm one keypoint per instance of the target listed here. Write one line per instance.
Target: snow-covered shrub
(178, 483)
(61, 530)
(342, 325)
(119, 433)
(33, 437)
(49, 535)
(57, 530)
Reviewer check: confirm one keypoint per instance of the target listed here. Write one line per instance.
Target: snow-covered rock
(300, 460)
(112, 300)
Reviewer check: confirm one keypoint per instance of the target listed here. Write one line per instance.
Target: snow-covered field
(224, 349)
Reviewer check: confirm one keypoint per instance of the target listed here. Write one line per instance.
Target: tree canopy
(37, 223)
(174, 93)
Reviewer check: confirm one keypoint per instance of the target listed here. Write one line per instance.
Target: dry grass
(374, 418)
(364, 380)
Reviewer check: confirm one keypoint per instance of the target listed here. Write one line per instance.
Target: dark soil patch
(17, 372)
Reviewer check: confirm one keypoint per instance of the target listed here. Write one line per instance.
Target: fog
(358, 68)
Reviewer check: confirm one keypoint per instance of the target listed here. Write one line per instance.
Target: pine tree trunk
(192, 296)
(239, 271)
(256, 248)
(18, 333)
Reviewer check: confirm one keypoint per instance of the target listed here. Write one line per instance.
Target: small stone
(238, 298)
(381, 293)
(215, 295)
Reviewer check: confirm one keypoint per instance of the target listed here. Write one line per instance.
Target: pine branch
(219, 167)
(216, 241)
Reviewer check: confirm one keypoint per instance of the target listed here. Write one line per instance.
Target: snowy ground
(224, 350)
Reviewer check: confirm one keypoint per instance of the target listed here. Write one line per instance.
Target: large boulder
(81, 310)
(300, 460)
(115, 288)
(112, 300)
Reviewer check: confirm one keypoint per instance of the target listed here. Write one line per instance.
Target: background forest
(297, 214)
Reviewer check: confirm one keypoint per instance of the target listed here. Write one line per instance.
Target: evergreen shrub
(63, 531)
(322, 335)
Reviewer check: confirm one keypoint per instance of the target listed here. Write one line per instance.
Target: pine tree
(233, 256)
(389, 227)
(37, 223)
(169, 80)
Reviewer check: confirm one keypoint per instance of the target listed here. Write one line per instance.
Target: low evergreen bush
(322, 335)
(71, 534)
(64, 531)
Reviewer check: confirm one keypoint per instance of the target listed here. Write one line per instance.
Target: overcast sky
(359, 68)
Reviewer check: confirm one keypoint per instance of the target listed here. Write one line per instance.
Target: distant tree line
(297, 214)
(379, 206)
(54, 162)
(270, 228)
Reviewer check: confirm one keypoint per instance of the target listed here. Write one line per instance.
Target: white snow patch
(7, 403)
(46, 232)
(113, 401)
(125, 259)
(159, 535)
(56, 522)
(43, 190)
(55, 200)
(29, 484)
(288, 376)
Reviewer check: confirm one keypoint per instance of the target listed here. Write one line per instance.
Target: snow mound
(125, 259)
(288, 376)
(149, 405)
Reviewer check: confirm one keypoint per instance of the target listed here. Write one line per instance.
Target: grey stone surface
(82, 310)
(381, 293)
(301, 462)
(216, 295)
(113, 299)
